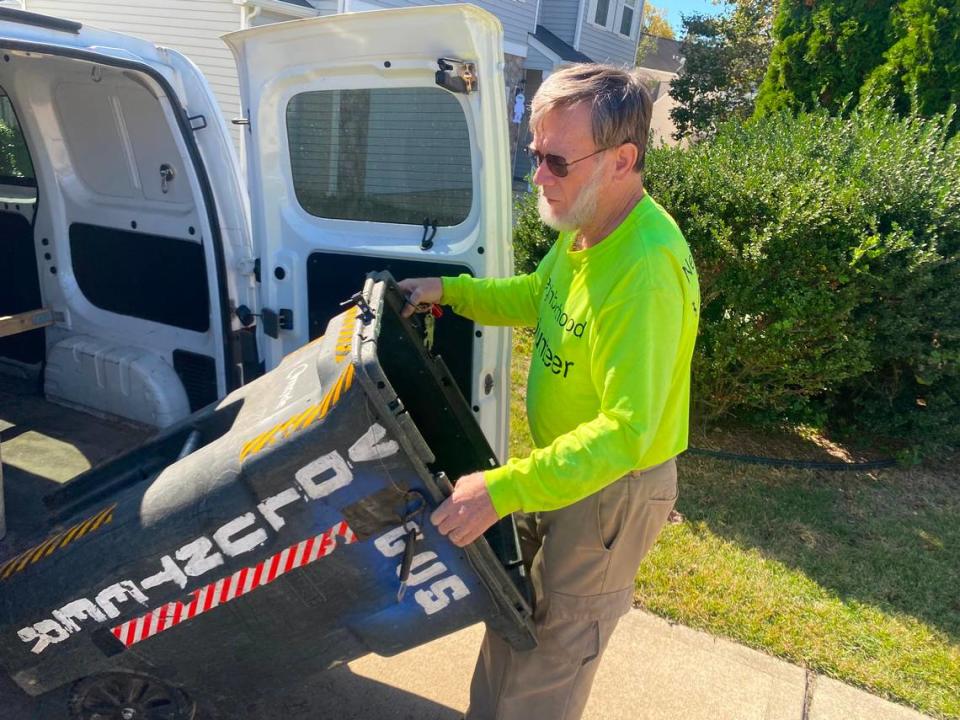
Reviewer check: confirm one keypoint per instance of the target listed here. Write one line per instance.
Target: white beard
(583, 210)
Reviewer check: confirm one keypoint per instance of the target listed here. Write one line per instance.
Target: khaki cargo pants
(584, 559)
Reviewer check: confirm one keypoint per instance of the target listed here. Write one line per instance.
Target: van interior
(103, 219)
(100, 221)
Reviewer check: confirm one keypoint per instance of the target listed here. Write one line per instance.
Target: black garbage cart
(284, 529)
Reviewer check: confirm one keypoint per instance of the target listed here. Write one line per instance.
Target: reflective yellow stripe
(248, 447)
(85, 528)
(325, 405)
(8, 567)
(263, 439)
(46, 548)
(105, 517)
(310, 415)
(314, 412)
(342, 384)
(291, 424)
(70, 533)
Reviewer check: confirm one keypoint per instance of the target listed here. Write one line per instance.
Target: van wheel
(128, 696)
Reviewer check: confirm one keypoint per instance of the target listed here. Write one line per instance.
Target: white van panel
(115, 380)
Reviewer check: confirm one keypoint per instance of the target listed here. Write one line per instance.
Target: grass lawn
(854, 575)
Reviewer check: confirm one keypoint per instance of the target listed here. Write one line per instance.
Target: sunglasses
(559, 166)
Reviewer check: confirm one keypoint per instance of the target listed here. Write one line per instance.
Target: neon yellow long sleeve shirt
(609, 384)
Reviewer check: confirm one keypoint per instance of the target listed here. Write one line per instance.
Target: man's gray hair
(619, 101)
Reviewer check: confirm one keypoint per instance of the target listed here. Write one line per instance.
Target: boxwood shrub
(827, 252)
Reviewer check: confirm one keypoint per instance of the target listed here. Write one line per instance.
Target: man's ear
(625, 159)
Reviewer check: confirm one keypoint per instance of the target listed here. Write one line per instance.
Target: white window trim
(619, 19)
(592, 14)
(614, 17)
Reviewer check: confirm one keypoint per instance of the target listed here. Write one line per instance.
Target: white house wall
(517, 16)
(560, 18)
(193, 27)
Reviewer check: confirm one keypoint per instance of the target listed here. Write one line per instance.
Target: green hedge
(14, 159)
(827, 251)
(531, 238)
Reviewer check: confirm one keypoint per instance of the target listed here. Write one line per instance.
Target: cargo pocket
(571, 627)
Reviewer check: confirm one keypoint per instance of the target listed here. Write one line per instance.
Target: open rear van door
(378, 141)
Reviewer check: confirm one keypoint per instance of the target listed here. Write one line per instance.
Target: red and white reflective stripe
(230, 588)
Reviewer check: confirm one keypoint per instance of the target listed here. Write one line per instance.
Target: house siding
(536, 60)
(268, 18)
(560, 18)
(192, 27)
(517, 16)
(605, 46)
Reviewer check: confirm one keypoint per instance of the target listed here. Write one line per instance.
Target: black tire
(128, 696)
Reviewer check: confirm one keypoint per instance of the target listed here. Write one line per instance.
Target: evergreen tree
(921, 71)
(836, 53)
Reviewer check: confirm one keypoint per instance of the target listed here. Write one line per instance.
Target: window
(602, 13)
(617, 16)
(393, 155)
(15, 165)
(626, 19)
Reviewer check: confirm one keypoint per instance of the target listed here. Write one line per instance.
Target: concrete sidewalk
(652, 670)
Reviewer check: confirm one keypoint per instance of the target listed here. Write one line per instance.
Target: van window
(15, 165)
(393, 155)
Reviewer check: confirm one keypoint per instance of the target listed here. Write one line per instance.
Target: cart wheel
(126, 696)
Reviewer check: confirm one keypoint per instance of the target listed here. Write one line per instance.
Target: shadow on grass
(890, 539)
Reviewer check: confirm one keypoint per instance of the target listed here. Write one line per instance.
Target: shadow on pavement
(344, 695)
(337, 693)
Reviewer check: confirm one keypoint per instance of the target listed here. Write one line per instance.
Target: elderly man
(615, 304)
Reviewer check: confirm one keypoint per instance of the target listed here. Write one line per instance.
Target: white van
(146, 286)
(374, 141)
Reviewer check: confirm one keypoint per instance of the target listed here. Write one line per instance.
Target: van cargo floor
(44, 445)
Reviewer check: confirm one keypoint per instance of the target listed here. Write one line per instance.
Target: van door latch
(275, 321)
(457, 76)
(167, 174)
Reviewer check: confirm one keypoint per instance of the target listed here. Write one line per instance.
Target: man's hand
(421, 294)
(466, 515)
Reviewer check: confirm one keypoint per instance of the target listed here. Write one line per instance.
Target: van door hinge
(457, 76)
